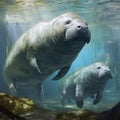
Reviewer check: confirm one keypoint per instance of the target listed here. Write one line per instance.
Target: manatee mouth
(81, 36)
(87, 36)
(107, 75)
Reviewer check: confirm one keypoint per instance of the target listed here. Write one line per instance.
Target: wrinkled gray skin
(44, 49)
(86, 82)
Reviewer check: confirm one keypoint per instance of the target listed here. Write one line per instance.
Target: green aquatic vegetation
(107, 59)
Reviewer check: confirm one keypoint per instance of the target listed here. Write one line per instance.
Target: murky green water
(17, 16)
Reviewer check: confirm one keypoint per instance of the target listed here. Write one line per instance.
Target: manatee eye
(98, 67)
(68, 21)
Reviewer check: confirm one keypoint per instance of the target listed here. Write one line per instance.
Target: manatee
(87, 82)
(44, 49)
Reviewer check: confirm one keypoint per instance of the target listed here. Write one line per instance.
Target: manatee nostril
(107, 71)
(81, 28)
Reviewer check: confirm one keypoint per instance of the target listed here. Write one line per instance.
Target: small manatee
(86, 82)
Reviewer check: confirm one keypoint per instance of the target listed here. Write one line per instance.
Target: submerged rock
(14, 108)
(77, 115)
(6, 114)
(111, 114)
(16, 105)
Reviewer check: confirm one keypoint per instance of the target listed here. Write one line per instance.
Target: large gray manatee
(44, 49)
(86, 82)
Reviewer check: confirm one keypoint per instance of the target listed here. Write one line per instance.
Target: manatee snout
(108, 73)
(81, 27)
(107, 70)
(104, 71)
(77, 30)
(83, 31)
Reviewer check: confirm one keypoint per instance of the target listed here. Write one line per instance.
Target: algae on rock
(16, 105)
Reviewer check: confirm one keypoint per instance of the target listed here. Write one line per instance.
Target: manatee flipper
(61, 73)
(33, 61)
(40, 91)
(79, 92)
(12, 89)
(98, 97)
(62, 100)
